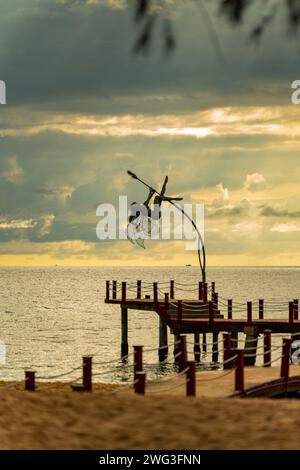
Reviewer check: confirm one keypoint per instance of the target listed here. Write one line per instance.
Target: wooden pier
(200, 315)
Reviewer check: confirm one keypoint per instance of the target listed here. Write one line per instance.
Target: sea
(50, 317)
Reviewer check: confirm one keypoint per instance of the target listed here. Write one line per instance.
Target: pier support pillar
(215, 347)
(197, 347)
(234, 340)
(250, 346)
(296, 309)
(204, 343)
(124, 331)
(163, 340)
(176, 350)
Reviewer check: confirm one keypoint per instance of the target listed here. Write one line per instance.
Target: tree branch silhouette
(149, 12)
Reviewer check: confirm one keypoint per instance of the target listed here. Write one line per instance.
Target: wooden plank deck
(151, 305)
(199, 322)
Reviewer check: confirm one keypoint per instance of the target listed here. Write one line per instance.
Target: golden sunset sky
(82, 109)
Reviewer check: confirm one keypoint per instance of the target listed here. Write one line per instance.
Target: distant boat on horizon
(188, 265)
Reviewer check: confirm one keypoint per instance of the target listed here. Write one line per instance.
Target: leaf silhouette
(235, 11)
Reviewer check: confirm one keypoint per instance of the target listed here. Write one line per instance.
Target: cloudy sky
(82, 109)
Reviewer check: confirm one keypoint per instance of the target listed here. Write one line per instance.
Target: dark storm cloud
(226, 212)
(58, 50)
(269, 211)
(61, 173)
(90, 169)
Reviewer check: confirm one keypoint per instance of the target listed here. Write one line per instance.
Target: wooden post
(296, 309)
(107, 290)
(229, 309)
(261, 309)
(249, 312)
(291, 312)
(200, 290)
(163, 340)
(205, 292)
(267, 348)
(137, 360)
(285, 360)
(197, 347)
(215, 347)
(211, 312)
(87, 373)
(204, 343)
(155, 297)
(124, 332)
(239, 371)
(30, 380)
(86, 376)
(216, 300)
(183, 354)
(251, 347)
(190, 379)
(234, 340)
(227, 351)
(172, 290)
(179, 311)
(114, 290)
(139, 383)
(139, 289)
(123, 291)
(213, 288)
(166, 301)
(176, 348)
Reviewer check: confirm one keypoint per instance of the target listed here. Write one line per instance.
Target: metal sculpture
(143, 220)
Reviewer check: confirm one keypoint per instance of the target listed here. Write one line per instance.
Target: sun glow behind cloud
(233, 214)
(213, 123)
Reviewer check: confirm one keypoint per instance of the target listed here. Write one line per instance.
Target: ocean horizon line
(149, 266)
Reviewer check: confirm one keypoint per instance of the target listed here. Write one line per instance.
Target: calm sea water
(51, 317)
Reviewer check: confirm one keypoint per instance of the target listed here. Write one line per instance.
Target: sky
(82, 109)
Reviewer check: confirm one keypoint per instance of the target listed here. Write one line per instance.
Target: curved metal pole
(201, 247)
(200, 242)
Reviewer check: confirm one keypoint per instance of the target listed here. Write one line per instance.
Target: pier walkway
(202, 313)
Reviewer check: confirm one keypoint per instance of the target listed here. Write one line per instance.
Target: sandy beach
(111, 417)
